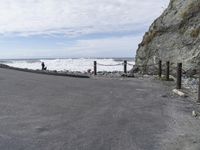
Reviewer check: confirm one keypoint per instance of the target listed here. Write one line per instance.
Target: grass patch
(195, 32)
(191, 9)
(149, 36)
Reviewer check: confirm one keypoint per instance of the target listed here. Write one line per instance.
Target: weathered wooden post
(125, 66)
(160, 68)
(95, 68)
(167, 70)
(179, 76)
(198, 101)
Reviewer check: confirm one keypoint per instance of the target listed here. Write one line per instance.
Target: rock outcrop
(174, 37)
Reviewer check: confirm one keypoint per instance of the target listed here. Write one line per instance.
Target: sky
(74, 28)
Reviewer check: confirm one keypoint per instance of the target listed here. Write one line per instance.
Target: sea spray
(79, 64)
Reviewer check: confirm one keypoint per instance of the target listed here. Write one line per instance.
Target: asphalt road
(41, 112)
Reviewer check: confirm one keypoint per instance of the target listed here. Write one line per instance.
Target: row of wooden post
(179, 73)
(95, 67)
(178, 76)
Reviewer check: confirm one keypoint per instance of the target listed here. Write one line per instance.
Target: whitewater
(81, 64)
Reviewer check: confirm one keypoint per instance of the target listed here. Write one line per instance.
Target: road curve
(61, 113)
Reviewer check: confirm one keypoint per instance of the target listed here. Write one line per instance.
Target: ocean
(69, 64)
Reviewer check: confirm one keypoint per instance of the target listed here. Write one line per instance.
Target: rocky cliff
(174, 37)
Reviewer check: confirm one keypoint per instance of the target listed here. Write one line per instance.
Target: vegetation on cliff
(174, 37)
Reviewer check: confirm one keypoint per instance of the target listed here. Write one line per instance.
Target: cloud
(121, 46)
(76, 17)
(107, 47)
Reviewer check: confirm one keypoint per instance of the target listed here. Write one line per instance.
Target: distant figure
(43, 66)
(89, 71)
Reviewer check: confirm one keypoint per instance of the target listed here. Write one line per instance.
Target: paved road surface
(40, 112)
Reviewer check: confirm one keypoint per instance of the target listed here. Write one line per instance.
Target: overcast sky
(75, 28)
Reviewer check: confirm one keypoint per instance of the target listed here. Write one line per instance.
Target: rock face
(174, 37)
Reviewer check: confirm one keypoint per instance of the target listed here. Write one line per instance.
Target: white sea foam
(81, 64)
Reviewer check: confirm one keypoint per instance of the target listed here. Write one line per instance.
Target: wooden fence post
(179, 75)
(95, 68)
(125, 66)
(198, 101)
(167, 70)
(160, 68)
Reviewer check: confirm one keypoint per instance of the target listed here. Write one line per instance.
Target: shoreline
(109, 74)
(189, 84)
(55, 73)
